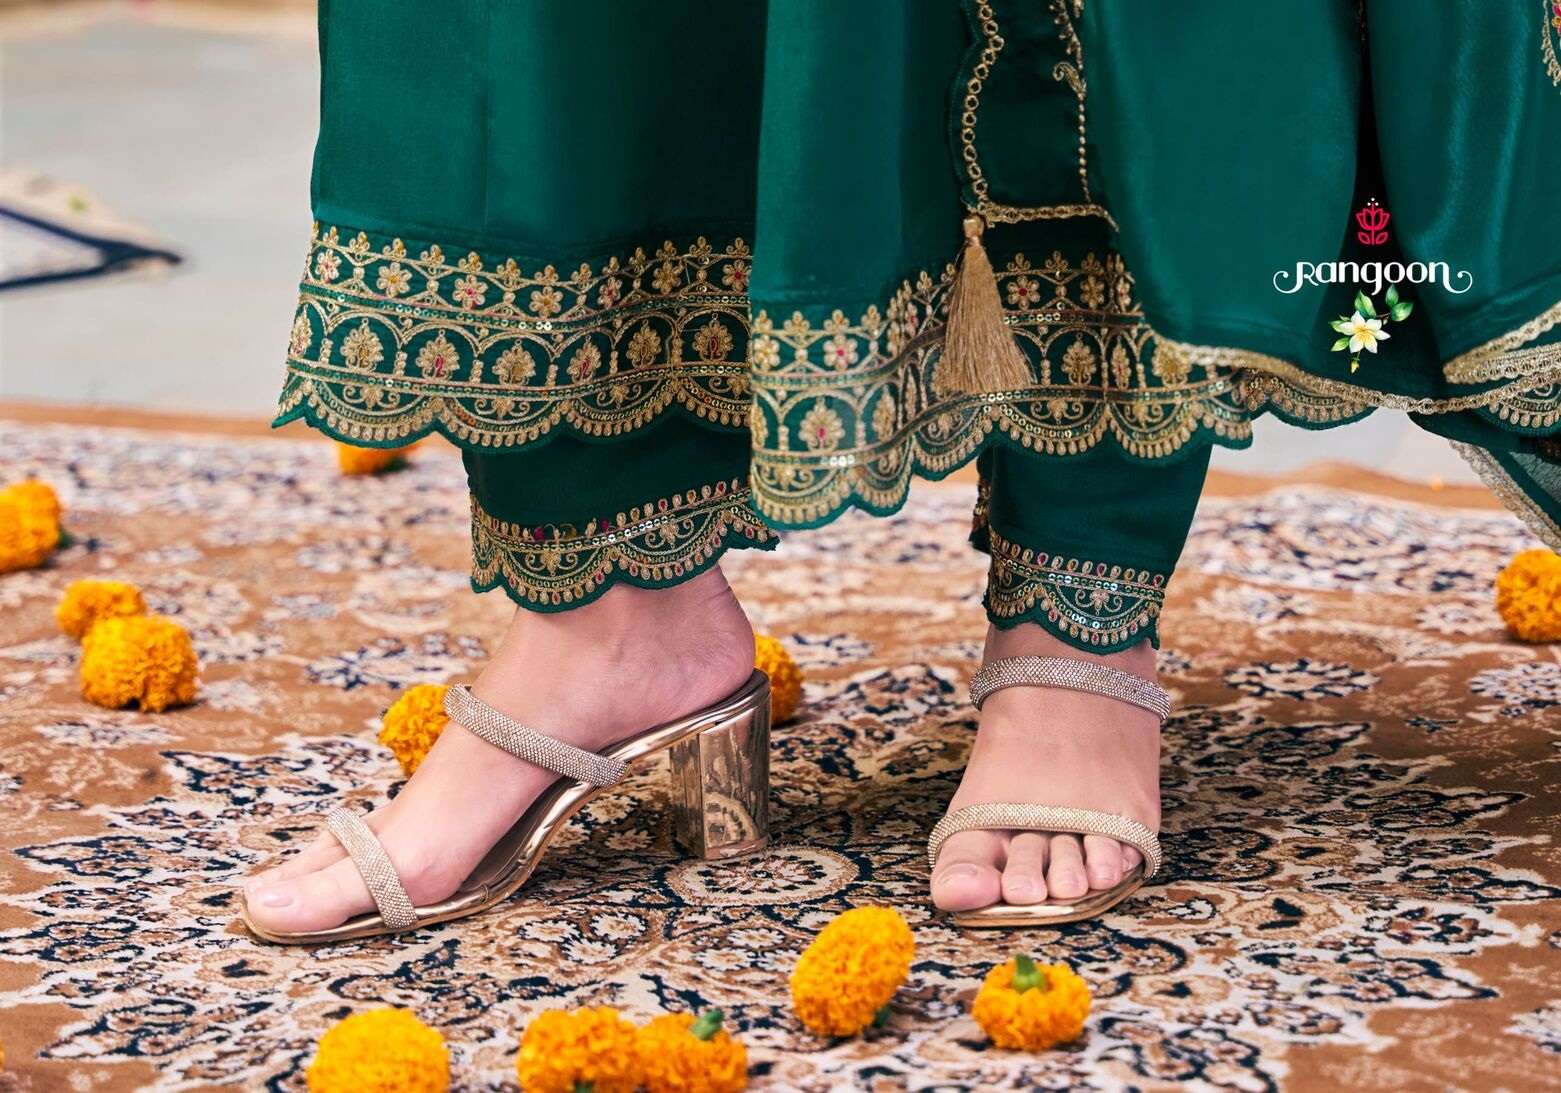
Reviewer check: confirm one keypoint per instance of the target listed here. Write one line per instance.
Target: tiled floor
(204, 134)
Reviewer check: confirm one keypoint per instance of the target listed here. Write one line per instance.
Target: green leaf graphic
(1392, 296)
(1342, 343)
(1363, 305)
(1401, 310)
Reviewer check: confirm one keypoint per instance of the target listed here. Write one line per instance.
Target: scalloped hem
(391, 342)
(1096, 606)
(656, 545)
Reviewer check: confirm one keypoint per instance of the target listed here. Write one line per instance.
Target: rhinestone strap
(1074, 675)
(529, 744)
(374, 866)
(1078, 821)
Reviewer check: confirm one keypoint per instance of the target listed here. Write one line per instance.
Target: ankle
(1029, 639)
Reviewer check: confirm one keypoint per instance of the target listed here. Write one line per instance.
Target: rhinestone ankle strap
(527, 743)
(1074, 675)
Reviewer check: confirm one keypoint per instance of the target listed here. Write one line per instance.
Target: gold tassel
(979, 354)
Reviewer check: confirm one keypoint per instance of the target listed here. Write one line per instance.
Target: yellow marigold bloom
(29, 525)
(565, 1048)
(848, 974)
(413, 722)
(678, 1054)
(1528, 596)
(771, 658)
(138, 658)
(353, 460)
(380, 1051)
(87, 602)
(37, 496)
(1026, 1006)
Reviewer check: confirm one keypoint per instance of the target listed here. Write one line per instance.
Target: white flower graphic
(1363, 333)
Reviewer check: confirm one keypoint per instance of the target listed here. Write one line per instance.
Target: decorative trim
(844, 411)
(1496, 478)
(1527, 402)
(387, 347)
(1086, 603)
(1093, 603)
(660, 543)
(1504, 358)
(1550, 38)
(1071, 71)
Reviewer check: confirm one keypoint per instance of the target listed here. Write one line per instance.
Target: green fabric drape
(674, 275)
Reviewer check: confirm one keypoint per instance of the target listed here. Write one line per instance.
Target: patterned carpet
(1360, 799)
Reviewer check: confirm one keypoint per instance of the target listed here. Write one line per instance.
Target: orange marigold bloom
(354, 460)
(1026, 1006)
(1528, 596)
(380, 1051)
(564, 1048)
(678, 1054)
(88, 602)
(413, 722)
(138, 658)
(848, 974)
(29, 525)
(771, 658)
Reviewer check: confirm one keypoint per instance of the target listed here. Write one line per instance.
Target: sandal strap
(374, 866)
(527, 743)
(1072, 674)
(1017, 817)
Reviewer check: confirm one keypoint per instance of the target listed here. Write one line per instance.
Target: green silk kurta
(676, 275)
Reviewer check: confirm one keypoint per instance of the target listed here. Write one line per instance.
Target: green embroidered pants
(675, 276)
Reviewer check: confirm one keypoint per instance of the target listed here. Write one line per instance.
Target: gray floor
(204, 136)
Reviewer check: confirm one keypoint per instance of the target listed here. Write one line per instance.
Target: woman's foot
(633, 659)
(1045, 745)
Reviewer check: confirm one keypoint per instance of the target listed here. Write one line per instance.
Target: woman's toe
(1102, 861)
(1024, 872)
(1065, 877)
(1131, 858)
(966, 876)
(315, 901)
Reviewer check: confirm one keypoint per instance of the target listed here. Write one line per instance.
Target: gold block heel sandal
(1074, 675)
(720, 799)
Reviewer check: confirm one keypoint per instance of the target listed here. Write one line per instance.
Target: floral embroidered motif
(1093, 603)
(657, 543)
(844, 413)
(389, 344)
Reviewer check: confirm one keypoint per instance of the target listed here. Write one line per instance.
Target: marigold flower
(1528, 596)
(1026, 1006)
(29, 525)
(355, 460)
(413, 722)
(848, 974)
(678, 1054)
(138, 658)
(88, 602)
(771, 658)
(380, 1051)
(562, 1049)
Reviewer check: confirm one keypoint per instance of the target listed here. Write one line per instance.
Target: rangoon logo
(1372, 222)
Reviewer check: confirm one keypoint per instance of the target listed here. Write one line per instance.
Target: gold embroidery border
(1499, 482)
(1504, 358)
(1506, 402)
(387, 345)
(660, 542)
(1093, 603)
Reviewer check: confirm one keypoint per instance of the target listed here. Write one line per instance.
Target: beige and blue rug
(1360, 791)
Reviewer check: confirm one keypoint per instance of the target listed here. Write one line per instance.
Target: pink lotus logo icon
(1373, 221)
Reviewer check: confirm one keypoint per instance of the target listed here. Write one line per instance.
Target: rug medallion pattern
(1361, 885)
